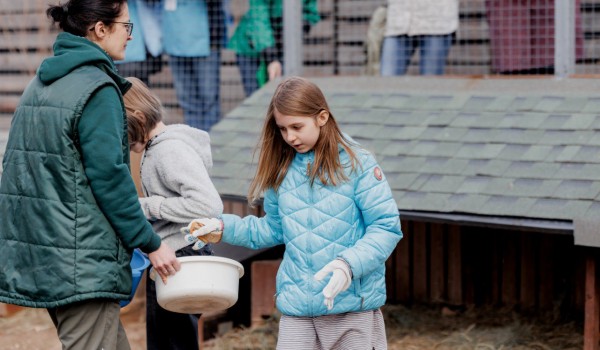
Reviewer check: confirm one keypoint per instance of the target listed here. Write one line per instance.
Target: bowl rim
(212, 258)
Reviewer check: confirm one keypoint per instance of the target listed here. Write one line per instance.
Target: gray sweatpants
(90, 325)
(349, 331)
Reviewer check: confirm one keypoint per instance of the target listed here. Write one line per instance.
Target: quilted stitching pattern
(319, 223)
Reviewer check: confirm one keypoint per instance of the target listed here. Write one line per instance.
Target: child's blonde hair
(140, 98)
(299, 97)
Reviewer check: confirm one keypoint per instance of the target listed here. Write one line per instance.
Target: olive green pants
(90, 325)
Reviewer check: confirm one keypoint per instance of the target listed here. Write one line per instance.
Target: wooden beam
(402, 278)
(420, 263)
(201, 333)
(527, 287)
(455, 283)
(7, 310)
(437, 261)
(591, 334)
(510, 272)
(263, 275)
(547, 271)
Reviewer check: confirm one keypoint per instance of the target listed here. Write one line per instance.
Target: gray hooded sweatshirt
(175, 182)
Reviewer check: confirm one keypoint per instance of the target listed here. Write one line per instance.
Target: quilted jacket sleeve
(254, 232)
(101, 133)
(373, 197)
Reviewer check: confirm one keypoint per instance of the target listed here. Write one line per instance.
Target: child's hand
(203, 231)
(339, 281)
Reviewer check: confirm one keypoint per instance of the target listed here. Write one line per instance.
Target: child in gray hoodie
(177, 189)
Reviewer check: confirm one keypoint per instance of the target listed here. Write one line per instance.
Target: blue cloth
(192, 34)
(248, 67)
(186, 30)
(357, 221)
(189, 30)
(146, 35)
(197, 84)
(397, 51)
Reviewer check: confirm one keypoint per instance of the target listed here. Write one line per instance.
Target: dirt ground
(32, 329)
(440, 328)
(414, 328)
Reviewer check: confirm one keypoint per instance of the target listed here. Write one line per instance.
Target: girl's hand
(203, 231)
(341, 276)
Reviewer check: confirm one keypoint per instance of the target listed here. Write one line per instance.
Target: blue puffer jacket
(357, 221)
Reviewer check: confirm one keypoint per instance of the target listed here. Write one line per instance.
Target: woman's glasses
(128, 26)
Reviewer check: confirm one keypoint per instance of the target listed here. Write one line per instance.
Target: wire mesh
(339, 37)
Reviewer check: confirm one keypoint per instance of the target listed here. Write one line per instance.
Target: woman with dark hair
(69, 211)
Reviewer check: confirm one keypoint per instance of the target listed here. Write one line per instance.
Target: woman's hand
(164, 262)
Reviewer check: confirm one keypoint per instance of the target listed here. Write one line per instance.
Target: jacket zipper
(310, 227)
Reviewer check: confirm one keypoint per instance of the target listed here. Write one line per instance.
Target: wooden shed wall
(469, 265)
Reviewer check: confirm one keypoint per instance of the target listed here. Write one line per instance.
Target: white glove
(339, 281)
(203, 231)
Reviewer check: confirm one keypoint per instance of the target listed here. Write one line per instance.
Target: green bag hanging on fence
(262, 76)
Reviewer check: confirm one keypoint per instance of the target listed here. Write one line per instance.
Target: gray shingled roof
(527, 148)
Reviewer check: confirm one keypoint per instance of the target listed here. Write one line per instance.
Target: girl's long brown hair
(299, 97)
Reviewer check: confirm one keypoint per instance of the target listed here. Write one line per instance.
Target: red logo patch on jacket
(378, 174)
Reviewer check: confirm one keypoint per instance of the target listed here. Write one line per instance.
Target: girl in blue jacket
(328, 201)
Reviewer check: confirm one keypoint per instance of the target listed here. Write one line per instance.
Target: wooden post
(403, 269)
(263, 275)
(437, 261)
(527, 292)
(420, 264)
(591, 334)
(7, 310)
(455, 283)
(201, 333)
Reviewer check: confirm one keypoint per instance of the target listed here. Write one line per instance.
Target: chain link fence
(508, 38)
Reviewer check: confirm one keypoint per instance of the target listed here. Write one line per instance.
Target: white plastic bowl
(204, 284)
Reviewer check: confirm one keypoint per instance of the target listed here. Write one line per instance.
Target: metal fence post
(564, 38)
(292, 37)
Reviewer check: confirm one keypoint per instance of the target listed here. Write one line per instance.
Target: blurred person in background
(258, 40)
(144, 50)
(193, 33)
(425, 24)
(374, 40)
(522, 35)
(69, 211)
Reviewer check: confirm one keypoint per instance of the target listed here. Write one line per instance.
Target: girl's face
(301, 132)
(113, 39)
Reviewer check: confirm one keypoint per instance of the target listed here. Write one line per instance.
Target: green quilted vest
(56, 245)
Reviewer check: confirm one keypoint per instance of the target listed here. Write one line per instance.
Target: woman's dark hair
(78, 16)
